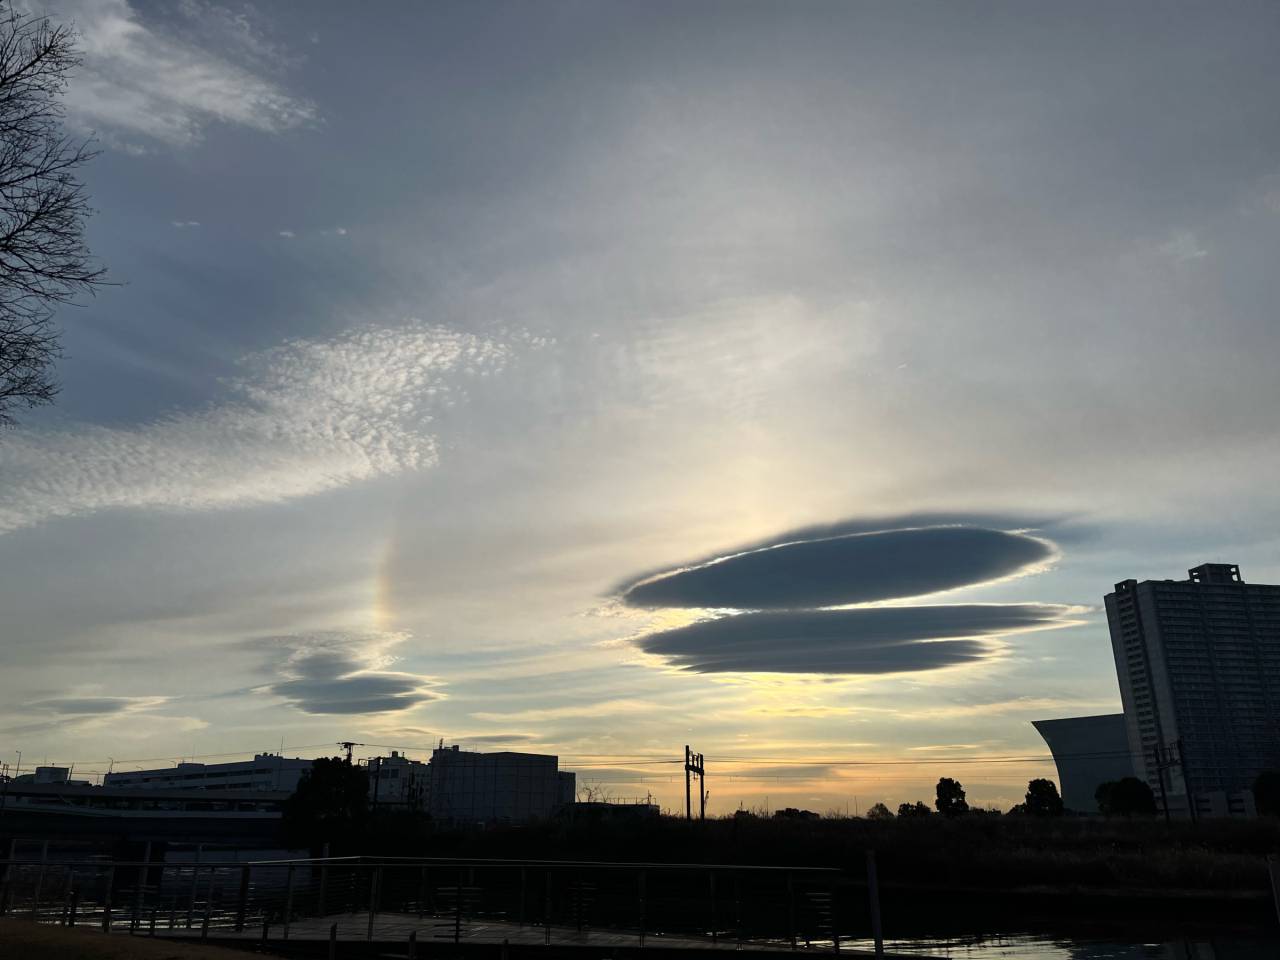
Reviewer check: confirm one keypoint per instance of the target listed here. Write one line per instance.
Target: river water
(1030, 947)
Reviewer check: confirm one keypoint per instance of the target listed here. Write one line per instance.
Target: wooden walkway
(433, 935)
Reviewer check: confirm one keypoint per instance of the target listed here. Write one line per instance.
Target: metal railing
(522, 901)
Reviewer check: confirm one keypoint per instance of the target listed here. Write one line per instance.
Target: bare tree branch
(44, 261)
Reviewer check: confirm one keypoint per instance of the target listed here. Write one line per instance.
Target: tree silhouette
(878, 811)
(1042, 799)
(950, 798)
(331, 800)
(917, 809)
(1266, 793)
(43, 206)
(1126, 797)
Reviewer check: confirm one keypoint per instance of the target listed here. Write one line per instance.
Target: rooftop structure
(48, 775)
(397, 782)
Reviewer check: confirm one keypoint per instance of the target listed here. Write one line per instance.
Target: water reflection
(1056, 948)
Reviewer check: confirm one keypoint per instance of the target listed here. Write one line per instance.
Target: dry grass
(20, 940)
(990, 852)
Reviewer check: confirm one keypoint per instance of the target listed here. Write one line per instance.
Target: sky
(787, 380)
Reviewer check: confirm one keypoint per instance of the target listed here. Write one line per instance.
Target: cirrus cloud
(143, 78)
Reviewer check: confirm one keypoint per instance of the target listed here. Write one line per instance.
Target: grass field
(20, 940)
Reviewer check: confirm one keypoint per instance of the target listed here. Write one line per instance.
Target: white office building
(266, 772)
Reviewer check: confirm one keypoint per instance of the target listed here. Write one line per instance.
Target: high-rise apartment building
(1198, 662)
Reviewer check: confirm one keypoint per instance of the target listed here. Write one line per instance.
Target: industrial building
(1199, 667)
(1088, 752)
(469, 788)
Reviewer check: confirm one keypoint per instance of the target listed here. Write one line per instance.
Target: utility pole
(1158, 760)
(688, 801)
(694, 763)
(347, 745)
(1186, 781)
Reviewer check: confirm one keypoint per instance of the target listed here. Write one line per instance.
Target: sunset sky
(457, 344)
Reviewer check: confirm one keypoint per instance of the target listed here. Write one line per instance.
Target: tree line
(1126, 797)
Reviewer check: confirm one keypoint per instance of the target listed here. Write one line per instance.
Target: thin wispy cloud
(143, 83)
(92, 711)
(606, 708)
(1182, 247)
(305, 417)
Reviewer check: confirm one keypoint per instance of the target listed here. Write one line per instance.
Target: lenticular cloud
(334, 672)
(305, 417)
(862, 640)
(850, 568)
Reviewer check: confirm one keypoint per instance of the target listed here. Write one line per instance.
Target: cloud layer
(851, 568)
(333, 672)
(867, 640)
(302, 418)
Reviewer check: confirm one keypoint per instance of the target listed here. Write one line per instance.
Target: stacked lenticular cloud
(830, 600)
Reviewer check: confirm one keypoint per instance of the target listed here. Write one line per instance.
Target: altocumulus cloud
(798, 571)
(336, 672)
(864, 640)
(305, 417)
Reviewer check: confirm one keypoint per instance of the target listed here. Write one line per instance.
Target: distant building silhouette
(503, 787)
(1088, 752)
(1199, 667)
(48, 775)
(455, 787)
